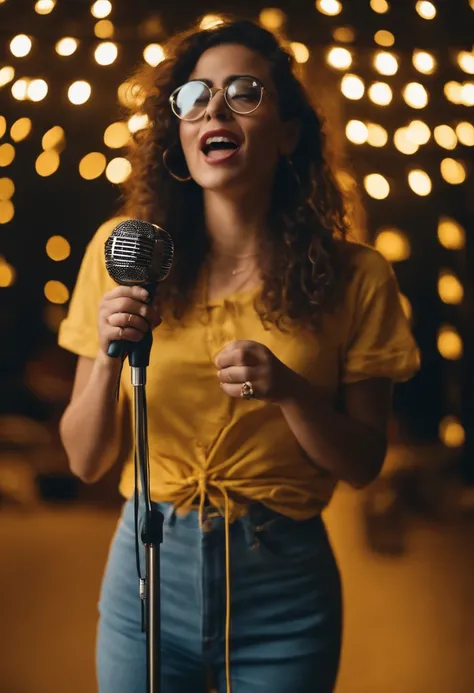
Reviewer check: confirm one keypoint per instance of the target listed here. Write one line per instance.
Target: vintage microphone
(140, 253)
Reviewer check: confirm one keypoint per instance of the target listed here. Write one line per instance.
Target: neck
(234, 226)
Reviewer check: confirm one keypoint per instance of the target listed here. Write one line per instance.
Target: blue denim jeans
(285, 606)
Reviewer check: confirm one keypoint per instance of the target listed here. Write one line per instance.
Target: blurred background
(395, 80)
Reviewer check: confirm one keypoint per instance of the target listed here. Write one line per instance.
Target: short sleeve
(380, 342)
(78, 332)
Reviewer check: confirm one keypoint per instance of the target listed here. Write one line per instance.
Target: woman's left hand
(244, 361)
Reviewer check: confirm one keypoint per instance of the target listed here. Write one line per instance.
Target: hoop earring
(172, 174)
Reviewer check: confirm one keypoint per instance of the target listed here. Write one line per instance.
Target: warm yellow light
(467, 94)
(403, 143)
(415, 95)
(3, 125)
(137, 122)
(352, 87)
(420, 182)
(154, 54)
(451, 432)
(377, 135)
(418, 132)
(424, 62)
(118, 170)
(380, 93)
(79, 92)
(129, 94)
(453, 92)
(20, 129)
(272, 18)
(7, 211)
(45, 6)
(20, 89)
(466, 61)
(47, 163)
(393, 244)
(384, 38)
(406, 306)
(105, 53)
(104, 29)
(58, 248)
(445, 137)
(7, 188)
(453, 171)
(56, 292)
(37, 90)
(92, 165)
(7, 274)
(451, 234)
(339, 58)
(54, 138)
(7, 73)
(386, 63)
(66, 46)
(117, 135)
(329, 7)
(377, 186)
(426, 9)
(449, 343)
(379, 6)
(465, 134)
(20, 46)
(450, 289)
(357, 132)
(7, 154)
(344, 34)
(210, 21)
(101, 9)
(300, 52)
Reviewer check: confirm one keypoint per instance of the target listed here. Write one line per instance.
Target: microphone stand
(152, 529)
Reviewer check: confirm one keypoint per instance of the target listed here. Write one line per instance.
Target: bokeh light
(7, 73)
(210, 21)
(453, 171)
(449, 343)
(451, 432)
(104, 29)
(445, 137)
(377, 135)
(20, 45)
(465, 133)
(344, 34)
(329, 7)
(101, 9)
(453, 92)
(466, 61)
(56, 292)
(79, 92)
(379, 6)
(352, 87)
(380, 93)
(451, 234)
(117, 135)
(424, 62)
(7, 154)
(92, 165)
(129, 94)
(300, 52)
(403, 143)
(58, 248)
(450, 289)
(20, 129)
(3, 125)
(47, 163)
(7, 188)
(154, 54)
(386, 63)
(384, 38)
(7, 274)
(467, 94)
(415, 95)
(106, 53)
(37, 90)
(377, 186)
(340, 58)
(54, 138)
(137, 122)
(426, 9)
(66, 46)
(357, 131)
(7, 211)
(20, 89)
(418, 132)
(45, 6)
(118, 170)
(272, 18)
(393, 244)
(420, 182)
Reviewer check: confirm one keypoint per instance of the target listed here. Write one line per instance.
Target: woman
(270, 376)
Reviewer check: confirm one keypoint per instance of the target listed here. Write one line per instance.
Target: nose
(217, 107)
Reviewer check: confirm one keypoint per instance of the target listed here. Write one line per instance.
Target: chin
(221, 180)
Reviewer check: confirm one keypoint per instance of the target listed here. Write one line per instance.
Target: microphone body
(137, 253)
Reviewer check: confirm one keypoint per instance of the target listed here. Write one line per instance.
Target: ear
(290, 135)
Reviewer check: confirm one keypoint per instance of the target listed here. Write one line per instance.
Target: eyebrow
(227, 80)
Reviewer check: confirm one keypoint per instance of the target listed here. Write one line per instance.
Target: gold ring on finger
(247, 390)
(130, 316)
(120, 332)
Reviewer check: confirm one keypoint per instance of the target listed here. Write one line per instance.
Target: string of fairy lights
(343, 58)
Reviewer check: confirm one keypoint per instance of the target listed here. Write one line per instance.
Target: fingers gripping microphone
(137, 253)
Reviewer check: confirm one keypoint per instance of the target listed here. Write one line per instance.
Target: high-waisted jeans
(285, 606)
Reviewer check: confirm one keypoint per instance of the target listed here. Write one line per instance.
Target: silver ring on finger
(246, 390)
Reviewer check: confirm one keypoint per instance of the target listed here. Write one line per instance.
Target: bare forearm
(351, 450)
(89, 426)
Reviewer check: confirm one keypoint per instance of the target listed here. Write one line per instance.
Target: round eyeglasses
(242, 95)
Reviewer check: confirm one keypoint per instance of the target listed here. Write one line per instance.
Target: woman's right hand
(125, 315)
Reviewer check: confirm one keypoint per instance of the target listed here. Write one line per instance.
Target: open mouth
(219, 144)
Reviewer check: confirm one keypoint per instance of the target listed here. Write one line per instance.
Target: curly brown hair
(299, 258)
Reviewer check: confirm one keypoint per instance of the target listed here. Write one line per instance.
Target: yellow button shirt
(201, 441)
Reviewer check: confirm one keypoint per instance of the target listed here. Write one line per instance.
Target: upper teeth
(210, 140)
